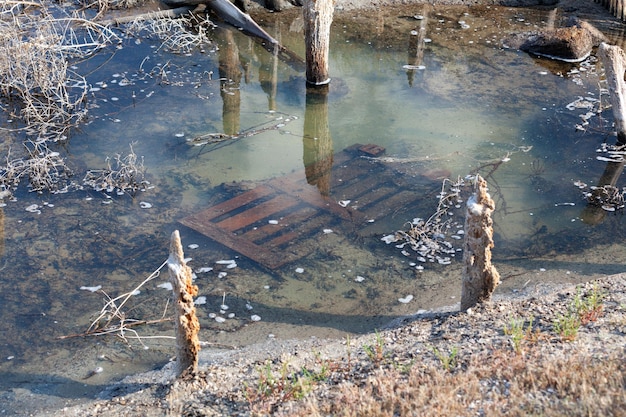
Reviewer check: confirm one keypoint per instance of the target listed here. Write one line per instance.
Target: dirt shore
(236, 382)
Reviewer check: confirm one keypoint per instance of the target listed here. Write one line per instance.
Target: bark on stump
(318, 16)
(480, 277)
(186, 323)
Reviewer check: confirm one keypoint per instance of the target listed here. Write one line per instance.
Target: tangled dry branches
(427, 238)
(126, 176)
(114, 319)
(35, 75)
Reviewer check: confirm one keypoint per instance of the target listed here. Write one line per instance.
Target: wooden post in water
(616, 7)
(186, 322)
(318, 16)
(480, 277)
(614, 61)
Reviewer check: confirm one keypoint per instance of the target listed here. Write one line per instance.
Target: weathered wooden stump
(614, 61)
(480, 277)
(186, 322)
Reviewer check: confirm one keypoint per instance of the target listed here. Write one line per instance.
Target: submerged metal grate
(279, 220)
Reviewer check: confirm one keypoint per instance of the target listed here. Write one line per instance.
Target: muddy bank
(221, 388)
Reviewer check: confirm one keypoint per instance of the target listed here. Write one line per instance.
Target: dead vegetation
(549, 376)
(40, 92)
(123, 174)
(491, 384)
(44, 98)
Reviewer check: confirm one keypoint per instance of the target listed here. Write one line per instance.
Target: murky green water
(472, 106)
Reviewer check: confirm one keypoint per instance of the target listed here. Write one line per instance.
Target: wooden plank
(366, 199)
(257, 253)
(312, 227)
(240, 223)
(312, 196)
(234, 203)
(259, 212)
(384, 207)
(355, 190)
(289, 221)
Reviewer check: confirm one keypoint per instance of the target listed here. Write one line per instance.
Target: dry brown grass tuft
(490, 384)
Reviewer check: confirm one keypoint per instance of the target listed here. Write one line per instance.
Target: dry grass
(543, 374)
(40, 90)
(496, 383)
(35, 75)
(43, 94)
(180, 35)
(126, 175)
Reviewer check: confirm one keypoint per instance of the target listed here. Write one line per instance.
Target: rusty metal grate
(278, 221)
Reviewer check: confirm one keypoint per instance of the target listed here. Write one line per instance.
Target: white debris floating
(91, 289)
(406, 299)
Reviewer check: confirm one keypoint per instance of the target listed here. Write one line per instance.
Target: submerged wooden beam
(480, 277)
(185, 320)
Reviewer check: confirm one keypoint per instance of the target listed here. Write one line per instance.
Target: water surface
(471, 107)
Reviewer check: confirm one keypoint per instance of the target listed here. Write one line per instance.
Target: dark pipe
(230, 14)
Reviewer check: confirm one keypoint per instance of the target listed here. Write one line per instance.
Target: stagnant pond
(530, 125)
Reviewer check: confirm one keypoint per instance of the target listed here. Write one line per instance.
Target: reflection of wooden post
(594, 214)
(614, 63)
(230, 79)
(416, 46)
(185, 321)
(316, 141)
(318, 16)
(480, 277)
(268, 76)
